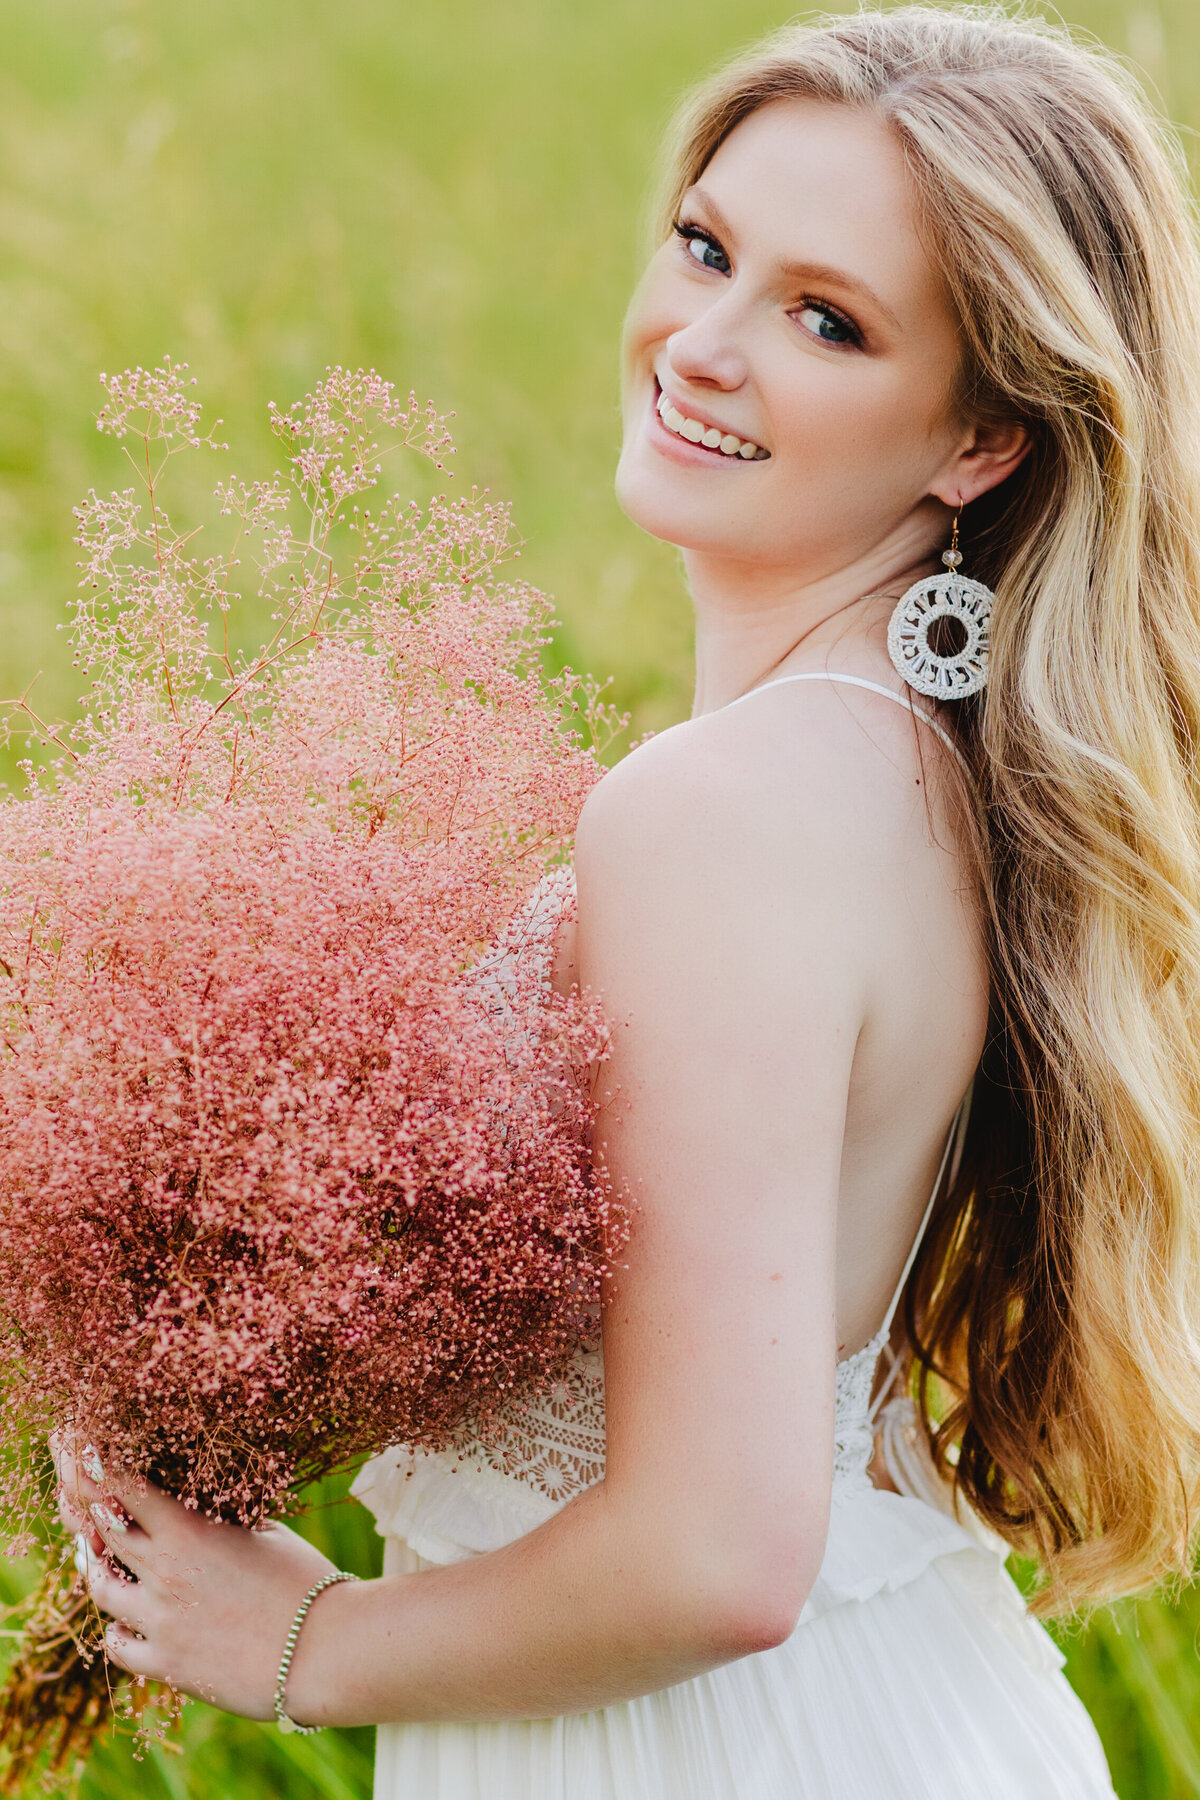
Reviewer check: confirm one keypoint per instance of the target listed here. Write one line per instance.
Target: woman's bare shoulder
(788, 774)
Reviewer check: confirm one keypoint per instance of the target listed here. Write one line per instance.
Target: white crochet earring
(948, 596)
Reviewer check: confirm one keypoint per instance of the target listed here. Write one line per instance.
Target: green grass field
(450, 192)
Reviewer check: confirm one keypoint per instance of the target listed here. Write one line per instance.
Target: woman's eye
(827, 325)
(703, 249)
(708, 254)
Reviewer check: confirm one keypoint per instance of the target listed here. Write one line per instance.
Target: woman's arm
(722, 925)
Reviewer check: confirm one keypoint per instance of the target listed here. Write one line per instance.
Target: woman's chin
(683, 519)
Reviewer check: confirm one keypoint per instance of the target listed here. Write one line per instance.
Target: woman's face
(794, 310)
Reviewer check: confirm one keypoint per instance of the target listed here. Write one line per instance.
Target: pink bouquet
(293, 1129)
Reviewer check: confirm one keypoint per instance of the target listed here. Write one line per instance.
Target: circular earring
(934, 597)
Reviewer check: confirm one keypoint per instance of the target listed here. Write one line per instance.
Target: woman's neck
(754, 623)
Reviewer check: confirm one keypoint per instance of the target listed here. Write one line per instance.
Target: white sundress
(914, 1673)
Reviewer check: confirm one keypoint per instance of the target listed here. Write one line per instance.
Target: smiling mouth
(706, 437)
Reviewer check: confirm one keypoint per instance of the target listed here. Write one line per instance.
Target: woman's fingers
(147, 1506)
(74, 1515)
(76, 1463)
(85, 1486)
(129, 1651)
(118, 1595)
(137, 1504)
(81, 1483)
(123, 1540)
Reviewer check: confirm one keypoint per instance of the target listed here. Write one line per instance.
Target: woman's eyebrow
(803, 271)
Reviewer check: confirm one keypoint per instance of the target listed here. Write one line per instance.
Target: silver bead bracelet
(289, 1649)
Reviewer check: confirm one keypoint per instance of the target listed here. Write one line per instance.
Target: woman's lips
(690, 448)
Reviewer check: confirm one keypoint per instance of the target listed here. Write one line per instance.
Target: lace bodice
(854, 1416)
(554, 1442)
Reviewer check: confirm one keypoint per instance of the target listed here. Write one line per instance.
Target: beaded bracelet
(284, 1723)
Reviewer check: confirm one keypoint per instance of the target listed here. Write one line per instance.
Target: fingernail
(107, 1519)
(81, 1554)
(90, 1463)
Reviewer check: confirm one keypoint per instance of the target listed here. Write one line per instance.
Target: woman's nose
(707, 353)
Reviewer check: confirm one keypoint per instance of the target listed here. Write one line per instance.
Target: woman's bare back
(924, 971)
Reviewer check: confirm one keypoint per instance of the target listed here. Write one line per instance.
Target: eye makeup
(689, 233)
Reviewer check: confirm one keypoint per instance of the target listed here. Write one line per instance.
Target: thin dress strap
(861, 681)
(952, 1154)
(954, 1143)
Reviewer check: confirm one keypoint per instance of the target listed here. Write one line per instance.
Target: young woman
(900, 933)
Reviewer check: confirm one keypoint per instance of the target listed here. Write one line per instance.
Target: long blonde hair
(1057, 1295)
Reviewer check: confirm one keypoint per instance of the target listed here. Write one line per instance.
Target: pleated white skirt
(939, 1687)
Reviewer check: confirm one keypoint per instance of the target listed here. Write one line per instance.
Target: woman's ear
(989, 455)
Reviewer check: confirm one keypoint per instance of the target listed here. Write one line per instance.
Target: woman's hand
(208, 1607)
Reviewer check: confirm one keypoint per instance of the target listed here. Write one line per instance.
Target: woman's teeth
(708, 435)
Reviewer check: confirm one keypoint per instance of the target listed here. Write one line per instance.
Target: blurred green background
(451, 192)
